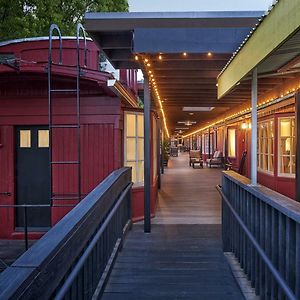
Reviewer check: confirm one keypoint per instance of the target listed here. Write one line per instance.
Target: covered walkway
(182, 258)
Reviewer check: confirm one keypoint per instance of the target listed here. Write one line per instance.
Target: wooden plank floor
(188, 196)
(182, 258)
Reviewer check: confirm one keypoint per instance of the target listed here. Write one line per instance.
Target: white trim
(269, 120)
(137, 138)
(279, 174)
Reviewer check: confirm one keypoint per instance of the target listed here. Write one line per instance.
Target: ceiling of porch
(182, 53)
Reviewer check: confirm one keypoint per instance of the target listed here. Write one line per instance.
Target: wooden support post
(297, 101)
(254, 128)
(209, 143)
(147, 157)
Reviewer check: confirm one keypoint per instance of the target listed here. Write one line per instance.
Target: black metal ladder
(51, 91)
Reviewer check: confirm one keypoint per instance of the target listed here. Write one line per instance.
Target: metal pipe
(25, 228)
(147, 157)
(254, 128)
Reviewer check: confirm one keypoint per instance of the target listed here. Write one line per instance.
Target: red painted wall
(23, 101)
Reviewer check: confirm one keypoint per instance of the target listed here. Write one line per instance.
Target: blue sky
(197, 5)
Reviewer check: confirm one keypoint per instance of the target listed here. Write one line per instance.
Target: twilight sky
(197, 5)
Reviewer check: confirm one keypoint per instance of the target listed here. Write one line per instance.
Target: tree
(29, 18)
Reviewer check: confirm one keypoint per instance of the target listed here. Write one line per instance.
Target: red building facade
(24, 133)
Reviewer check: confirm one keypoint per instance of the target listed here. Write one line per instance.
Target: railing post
(147, 157)
(297, 185)
(25, 228)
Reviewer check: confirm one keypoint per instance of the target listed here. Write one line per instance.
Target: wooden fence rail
(71, 260)
(262, 228)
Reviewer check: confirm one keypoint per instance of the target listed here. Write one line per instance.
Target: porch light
(160, 57)
(148, 65)
(136, 57)
(146, 60)
(209, 54)
(184, 54)
(244, 126)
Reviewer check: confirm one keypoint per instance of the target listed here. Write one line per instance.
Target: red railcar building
(84, 151)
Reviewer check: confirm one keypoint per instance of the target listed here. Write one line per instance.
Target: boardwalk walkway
(182, 258)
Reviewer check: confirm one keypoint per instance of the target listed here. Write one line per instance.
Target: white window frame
(136, 161)
(235, 140)
(287, 175)
(269, 145)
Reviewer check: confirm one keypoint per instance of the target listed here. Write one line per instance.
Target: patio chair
(216, 160)
(195, 158)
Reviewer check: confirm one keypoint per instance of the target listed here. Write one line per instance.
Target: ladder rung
(64, 162)
(65, 126)
(63, 90)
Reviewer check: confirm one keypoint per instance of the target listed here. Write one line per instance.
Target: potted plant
(166, 152)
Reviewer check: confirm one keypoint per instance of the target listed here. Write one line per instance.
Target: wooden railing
(73, 259)
(262, 228)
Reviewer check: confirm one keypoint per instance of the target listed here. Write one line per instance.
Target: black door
(32, 171)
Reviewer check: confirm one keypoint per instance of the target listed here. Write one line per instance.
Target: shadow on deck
(182, 258)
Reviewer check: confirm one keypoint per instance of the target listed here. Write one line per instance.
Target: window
(231, 142)
(265, 152)
(287, 147)
(43, 138)
(134, 145)
(25, 138)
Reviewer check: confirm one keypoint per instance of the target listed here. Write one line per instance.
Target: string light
(152, 81)
(262, 105)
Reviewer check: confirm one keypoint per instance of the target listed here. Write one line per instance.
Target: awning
(273, 47)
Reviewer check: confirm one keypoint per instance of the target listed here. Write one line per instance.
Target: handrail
(273, 270)
(68, 283)
(262, 229)
(99, 219)
(51, 30)
(78, 29)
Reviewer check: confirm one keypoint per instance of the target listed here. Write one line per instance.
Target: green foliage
(28, 18)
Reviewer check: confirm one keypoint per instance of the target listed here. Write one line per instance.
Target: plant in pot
(166, 152)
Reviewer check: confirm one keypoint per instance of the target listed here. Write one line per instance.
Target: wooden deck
(188, 196)
(182, 258)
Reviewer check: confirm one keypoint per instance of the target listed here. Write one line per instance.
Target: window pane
(285, 164)
(25, 138)
(293, 165)
(285, 127)
(43, 136)
(130, 125)
(271, 161)
(140, 125)
(231, 142)
(140, 149)
(133, 166)
(140, 171)
(130, 149)
(285, 146)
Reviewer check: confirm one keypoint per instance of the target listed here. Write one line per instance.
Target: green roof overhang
(281, 23)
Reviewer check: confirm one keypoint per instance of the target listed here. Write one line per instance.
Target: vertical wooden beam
(208, 142)
(297, 104)
(158, 155)
(147, 157)
(254, 128)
